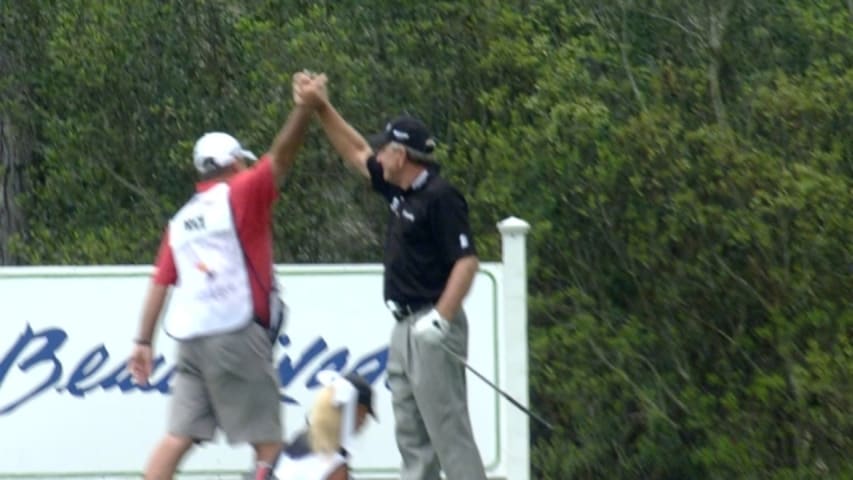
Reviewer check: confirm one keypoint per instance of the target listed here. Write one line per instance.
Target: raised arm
(350, 144)
(290, 137)
(346, 140)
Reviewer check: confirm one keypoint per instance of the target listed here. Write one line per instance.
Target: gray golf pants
(432, 425)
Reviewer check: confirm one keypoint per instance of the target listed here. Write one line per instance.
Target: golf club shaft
(497, 389)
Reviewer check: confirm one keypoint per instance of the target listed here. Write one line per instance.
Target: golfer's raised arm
(349, 144)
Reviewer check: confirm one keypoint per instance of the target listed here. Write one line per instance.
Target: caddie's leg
(419, 458)
(440, 388)
(190, 416)
(266, 455)
(167, 455)
(244, 391)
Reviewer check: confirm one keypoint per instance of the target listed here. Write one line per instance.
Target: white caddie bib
(213, 293)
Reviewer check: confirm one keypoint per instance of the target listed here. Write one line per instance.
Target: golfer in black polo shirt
(430, 262)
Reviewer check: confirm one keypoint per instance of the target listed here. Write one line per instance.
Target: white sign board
(68, 407)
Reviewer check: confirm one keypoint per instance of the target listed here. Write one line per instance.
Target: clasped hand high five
(309, 89)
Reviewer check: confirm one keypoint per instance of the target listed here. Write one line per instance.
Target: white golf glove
(431, 328)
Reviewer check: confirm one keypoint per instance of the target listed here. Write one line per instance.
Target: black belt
(403, 310)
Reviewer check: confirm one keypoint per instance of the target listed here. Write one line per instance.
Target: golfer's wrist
(142, 342)
(322, 106)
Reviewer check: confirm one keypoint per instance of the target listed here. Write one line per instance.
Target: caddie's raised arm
(290, 137)
(346, 140)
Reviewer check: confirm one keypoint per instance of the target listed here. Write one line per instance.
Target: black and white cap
(408, 131)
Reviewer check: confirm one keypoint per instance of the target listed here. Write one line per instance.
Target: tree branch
(674, 23)
(648, 401)
(623, 51)
(136, 189)
(716, 30)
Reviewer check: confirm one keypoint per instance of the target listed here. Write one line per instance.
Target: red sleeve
(253, 192)
(165, 272)
(254, 189)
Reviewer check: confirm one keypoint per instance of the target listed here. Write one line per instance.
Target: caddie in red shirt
(216, 257)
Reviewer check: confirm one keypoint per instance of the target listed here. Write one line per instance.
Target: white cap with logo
(216, 150)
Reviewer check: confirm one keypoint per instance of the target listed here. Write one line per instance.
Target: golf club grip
(497, 389)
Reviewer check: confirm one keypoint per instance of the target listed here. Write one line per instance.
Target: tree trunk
(14, 152)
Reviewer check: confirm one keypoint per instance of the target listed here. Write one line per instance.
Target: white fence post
(514, 257)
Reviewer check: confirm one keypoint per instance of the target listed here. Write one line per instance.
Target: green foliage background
(686, 166)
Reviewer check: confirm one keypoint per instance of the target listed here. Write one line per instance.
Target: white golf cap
(216, 150)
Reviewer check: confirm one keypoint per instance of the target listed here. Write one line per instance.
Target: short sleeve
(165, 272)
(254, 189)
(450, 226)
